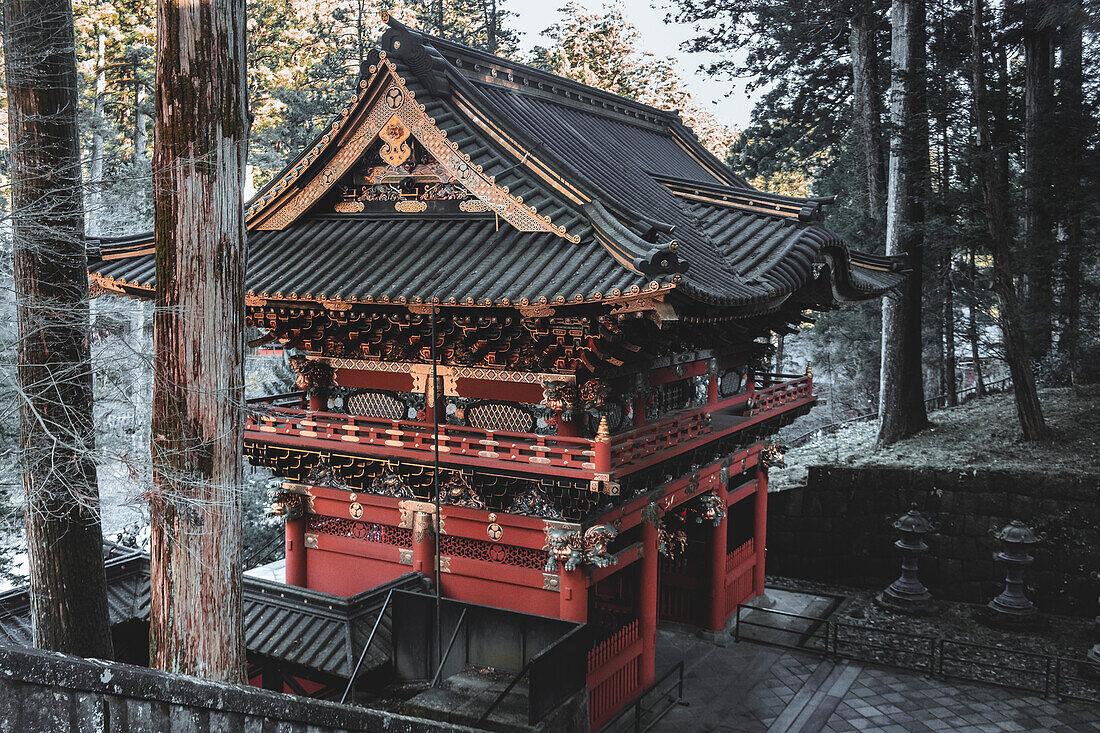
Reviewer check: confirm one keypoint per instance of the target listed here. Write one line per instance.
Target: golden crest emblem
(356, 510)
(495, 531)
(394, 134)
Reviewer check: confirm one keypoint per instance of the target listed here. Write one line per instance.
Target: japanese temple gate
(588, 286)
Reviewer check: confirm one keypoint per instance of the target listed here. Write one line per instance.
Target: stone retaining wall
(837, 529)
(50, 693)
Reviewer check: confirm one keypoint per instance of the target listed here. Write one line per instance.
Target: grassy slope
(983, 433)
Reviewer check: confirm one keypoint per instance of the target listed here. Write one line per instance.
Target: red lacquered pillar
(716, 619)
(712, 384)
(296, 552)
(639, 409)
(647, 601)
(568, 428)
(573, 595)
(760, 528)
(318, 401)
(423, 549)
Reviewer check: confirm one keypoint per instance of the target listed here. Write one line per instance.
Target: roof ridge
(438, 43)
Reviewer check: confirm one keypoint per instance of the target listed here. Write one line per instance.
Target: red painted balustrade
(613, 674)
(578, 458)
(777, 395)
(457, 444)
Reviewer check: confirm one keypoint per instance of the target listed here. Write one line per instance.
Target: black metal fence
(1042, 674)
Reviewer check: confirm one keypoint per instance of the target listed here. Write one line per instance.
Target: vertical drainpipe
(296, 551)
(716, 620)
(573, 595)
(760, 527)
(647, 601)
(423, 548)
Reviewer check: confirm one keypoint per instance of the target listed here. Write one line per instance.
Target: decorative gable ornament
(395, 119)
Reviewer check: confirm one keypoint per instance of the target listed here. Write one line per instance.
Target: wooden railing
(613, 674)
(739, 569)
(640, 443)
(457, 444)
(578, 458)
(778, 395)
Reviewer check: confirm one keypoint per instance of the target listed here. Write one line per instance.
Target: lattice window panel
(729, 383)
(522, 557)
(383, 534)
(676, 395)
(503, 416)
(375, 403)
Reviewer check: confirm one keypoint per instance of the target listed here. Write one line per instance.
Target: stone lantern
(1012, 605)
(906, 594)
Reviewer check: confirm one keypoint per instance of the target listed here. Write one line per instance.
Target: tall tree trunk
(64, 536)
(95, 164)
(901, 387)
(950, 359)
(1038, 180)
(201, 125)
(141, 140)
(948, 281)
(995, 190)
(972, 329)
(866, 108)
(1074, 136)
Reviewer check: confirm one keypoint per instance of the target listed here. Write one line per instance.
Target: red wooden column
(647, 598)
(716, 617)
(318, 400)
(640, 402)
(296, 551)
(573, 595)
(760, 528)
(568, 428)
(423, 549)
(712, 382)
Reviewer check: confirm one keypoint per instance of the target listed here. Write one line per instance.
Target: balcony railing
(567, 457)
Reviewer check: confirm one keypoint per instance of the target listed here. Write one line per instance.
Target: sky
(657, 37)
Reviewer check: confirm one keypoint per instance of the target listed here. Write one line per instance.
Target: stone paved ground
(756, 688)
(753, 688)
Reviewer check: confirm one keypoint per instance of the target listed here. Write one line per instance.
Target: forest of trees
(821, 126)
(959, 133)
(999, 132)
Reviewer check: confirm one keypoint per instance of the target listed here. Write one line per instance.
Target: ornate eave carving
(398, 111)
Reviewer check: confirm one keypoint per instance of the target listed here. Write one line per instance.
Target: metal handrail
(362, 656)
(450, 645)
(501, 696)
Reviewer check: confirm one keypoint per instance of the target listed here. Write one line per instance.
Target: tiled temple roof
(623, 196)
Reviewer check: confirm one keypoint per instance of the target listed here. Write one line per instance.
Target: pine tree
(901, 387)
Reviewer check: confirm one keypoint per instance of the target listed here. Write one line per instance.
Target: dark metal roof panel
(410, 257)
